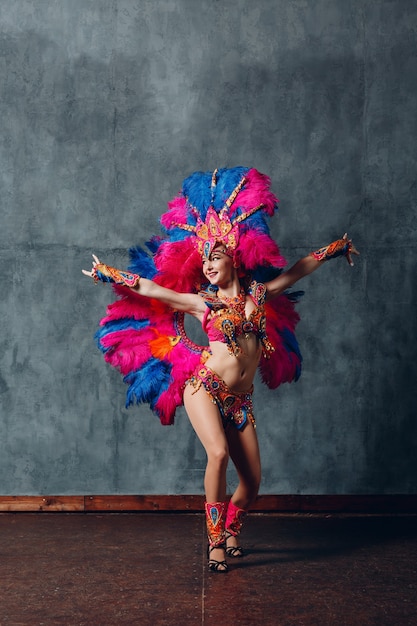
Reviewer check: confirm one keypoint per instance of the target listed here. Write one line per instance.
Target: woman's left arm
(310, 263)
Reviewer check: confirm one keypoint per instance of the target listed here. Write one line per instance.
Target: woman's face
(218, 267)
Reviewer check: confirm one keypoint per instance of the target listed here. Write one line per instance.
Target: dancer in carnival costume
(216, 261)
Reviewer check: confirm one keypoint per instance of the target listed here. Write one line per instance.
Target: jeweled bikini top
(226, 321)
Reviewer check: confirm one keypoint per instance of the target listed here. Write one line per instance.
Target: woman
(232, 309)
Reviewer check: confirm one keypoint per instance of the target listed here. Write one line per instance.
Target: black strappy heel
(233, 551)
(216, 566)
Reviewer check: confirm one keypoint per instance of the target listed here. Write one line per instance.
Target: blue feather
(147, 383)
(228, 179)
(197, 188)
(141, 263)
(154, 243)
(176, 234)
(290, 343)
(263, 274)
(294, 296)
(258, 221)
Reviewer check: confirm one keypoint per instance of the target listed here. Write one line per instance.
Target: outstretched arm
(310, 263)
(186, 302)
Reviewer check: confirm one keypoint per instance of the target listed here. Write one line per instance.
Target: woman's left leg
(244, 452)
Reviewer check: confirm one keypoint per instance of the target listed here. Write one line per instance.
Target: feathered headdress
(145, 339)
(228, 206)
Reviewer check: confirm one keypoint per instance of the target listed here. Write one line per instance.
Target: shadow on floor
(150, 569)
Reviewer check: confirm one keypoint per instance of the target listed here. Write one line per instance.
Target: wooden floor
(150, 569)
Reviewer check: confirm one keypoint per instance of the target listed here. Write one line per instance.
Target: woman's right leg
(206, 421)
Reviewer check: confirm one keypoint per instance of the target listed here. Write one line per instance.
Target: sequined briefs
(235, 408)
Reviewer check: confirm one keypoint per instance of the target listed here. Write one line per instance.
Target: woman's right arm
(185, 302)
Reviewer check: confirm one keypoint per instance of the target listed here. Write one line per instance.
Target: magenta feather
(258, 249)
(285, 362)
(127, 350)
(179, 264)
(256, 191)
(129, 304)
(167, 404)
(176, 214)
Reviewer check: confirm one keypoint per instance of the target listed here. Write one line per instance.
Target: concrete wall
(105, 108)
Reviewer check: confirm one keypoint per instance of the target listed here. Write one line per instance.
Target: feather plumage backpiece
(146, 340)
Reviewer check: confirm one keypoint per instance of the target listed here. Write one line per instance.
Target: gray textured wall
(105, 108)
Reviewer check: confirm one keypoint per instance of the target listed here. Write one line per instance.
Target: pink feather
(129, 304)
(259, 249)
(255, 192)
(180, 265)
(282, 365)
(177, 212)
(127, 349)
(166, 405)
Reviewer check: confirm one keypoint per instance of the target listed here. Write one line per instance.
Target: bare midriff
(237, 372)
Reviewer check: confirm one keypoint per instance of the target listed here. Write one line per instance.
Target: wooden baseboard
(347, 504)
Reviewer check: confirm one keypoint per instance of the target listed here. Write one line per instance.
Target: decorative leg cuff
(215, 520)
(234, 519)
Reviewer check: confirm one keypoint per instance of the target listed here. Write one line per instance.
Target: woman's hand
(91, 273)
(340, 247)
(350, 250)
(107, 274)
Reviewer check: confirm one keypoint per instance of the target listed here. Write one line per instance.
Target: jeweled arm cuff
(107, 274)
(340, 247)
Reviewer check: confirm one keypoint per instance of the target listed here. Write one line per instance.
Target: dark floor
(150, 569)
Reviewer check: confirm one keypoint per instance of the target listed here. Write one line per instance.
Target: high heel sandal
(234, 551)
(234, 520)
(213, 564)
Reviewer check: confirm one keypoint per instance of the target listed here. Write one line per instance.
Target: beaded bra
(225, 321)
